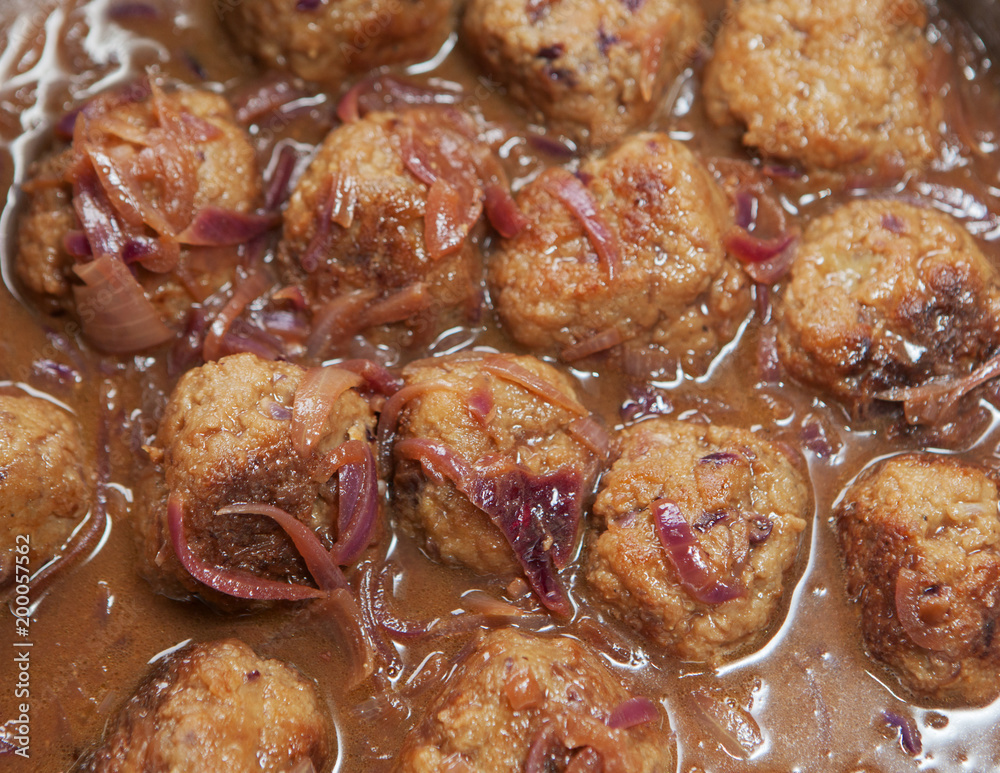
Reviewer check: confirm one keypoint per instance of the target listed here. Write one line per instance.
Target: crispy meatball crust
(509, 690)
(837, 86)
(45, 484)
(724, 480)
(337, 40)
(520, 425)
(378, 246)
(225, 438)
(216, 706)
(920, 536)
(676, 297)
(590, 70)
(227, 178)
(884, 294)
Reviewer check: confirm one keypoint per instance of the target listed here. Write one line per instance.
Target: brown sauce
(816, 696)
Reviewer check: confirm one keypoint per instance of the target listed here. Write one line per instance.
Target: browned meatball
(590, 70)
(143, 166)
(373, 243)
(217, 706)
(330, 41)
(516, 427)
(702, 524)
(229, 436)
(45, 483)
(667, 294)
(920, 535)
(519, 696)
(884, 295)
(838, 86)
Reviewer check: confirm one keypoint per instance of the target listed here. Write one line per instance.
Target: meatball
(551, 699)
(372, 243)
(920, 536)
(884, 295)
(143, 167)
(836, 86)
(701, 525)
(230, 435)
(667, 294)
(45, 484)
(590, 70)
(217, 706)
(330, 42)
(518, 439)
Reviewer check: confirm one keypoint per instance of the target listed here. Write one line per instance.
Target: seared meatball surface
(143, 164)
(45, 484)
(364, 232)
(836, 86)
(589, 70)
(671, 296)
(227, 437)
(882, 295)
(920, 536)
(721, 492)
(519, 696)
(521, 448)
(329, 42)
(213, 707)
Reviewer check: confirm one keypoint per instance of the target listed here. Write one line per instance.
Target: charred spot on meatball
(257, 434)
(624, 261)
(841, 87)
(521, 702)
(701, 525)
(887, 300)
(920, 537)
(217, 706)
(589, 70)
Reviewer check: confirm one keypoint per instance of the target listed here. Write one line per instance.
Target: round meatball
(883, 295)
(329, 42)
(229, 435)
(590, 70)
(838, 86)
(701, 526)
(920, 535)
(217, 706)
(143, 165)
(45, 483)
(668, 294)
(373, 243)
(551, 699)
(519, 438)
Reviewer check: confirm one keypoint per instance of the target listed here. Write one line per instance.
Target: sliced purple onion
(568, 189)
(909, 736)
(357, 515)
(633, 712)
(317, 394)
(216, 227)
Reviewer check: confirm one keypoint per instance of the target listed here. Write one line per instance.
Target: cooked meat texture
(45, 485)
(836, 86)
(590, 70)
(213, 707)
(518, 425)
(746, 504)
(519, 693)
(226, 177)
(675, 298)
(354, 232)
(920, 536)
(226, 438)
(332, 42)
(883, 295)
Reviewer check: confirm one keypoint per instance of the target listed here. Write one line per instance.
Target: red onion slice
(949, 638)
(358, 509)
(114, 311)
(247, 291)
(909, 736)
(337, 319)
(568, 189)
(937, 401)
(231, 582)
(685, 555)
(595, 344)
(400, 306)
(315, 398)
(321, 566)
(633, 712)
(216, 227)
(389, 417)
(516, 374)
(733, 726)
(766, 261)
